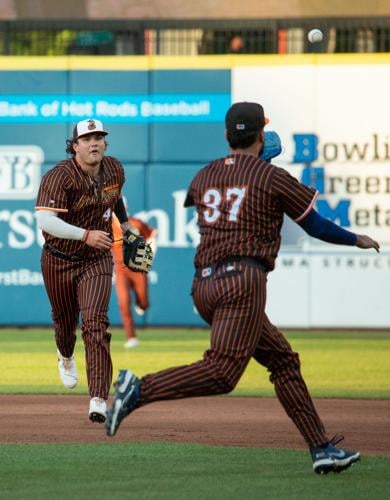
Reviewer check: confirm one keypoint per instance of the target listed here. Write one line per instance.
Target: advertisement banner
(164, 124)
(160, 124)
(332, 119)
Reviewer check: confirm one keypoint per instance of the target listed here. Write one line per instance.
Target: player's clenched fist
(98, 239)
(365, 242)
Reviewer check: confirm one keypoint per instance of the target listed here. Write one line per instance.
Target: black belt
(207, 271)
(61, 255)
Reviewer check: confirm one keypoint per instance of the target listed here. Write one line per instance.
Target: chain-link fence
(271, 36)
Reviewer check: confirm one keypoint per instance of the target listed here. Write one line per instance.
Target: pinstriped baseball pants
(232, 301)
(84, 288)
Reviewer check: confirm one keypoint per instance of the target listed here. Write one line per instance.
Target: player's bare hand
(364, 241)
(99, 239)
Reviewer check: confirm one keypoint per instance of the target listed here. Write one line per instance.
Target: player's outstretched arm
(363, 241)
(323, 229)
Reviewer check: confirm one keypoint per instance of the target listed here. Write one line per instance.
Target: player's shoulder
(283, 181)
(217, 162)
(239, 160)
(274, 169)
(112, 162)
(280, 172)
(114, 169)
(61, 171)
(213, 164)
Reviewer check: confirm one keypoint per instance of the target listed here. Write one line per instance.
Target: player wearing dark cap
(75, 203)
(241, 200)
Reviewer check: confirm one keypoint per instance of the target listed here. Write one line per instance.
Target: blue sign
(155, 108)
(163, 126)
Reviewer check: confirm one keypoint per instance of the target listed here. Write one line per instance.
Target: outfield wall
(164, 124)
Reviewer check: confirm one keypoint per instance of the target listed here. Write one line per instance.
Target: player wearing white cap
(75, 203)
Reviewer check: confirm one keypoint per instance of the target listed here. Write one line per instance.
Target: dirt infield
(230, 421)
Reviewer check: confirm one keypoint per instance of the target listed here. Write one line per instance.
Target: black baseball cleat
(328, 458)
(126, 399)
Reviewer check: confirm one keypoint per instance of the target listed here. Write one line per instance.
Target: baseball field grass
(335, 364)
(179, 472)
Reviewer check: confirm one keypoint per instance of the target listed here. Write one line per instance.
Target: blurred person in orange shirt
(127, 280)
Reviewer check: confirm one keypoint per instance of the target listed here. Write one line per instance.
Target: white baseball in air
(315, 35)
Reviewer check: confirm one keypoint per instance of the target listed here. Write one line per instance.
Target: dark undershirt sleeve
(120, 211)
(325, 230)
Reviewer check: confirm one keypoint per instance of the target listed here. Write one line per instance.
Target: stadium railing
(192, 37)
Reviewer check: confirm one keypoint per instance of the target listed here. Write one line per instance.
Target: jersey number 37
(213, 199)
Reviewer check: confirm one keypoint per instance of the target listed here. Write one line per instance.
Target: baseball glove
(137, 254)
(272, 146)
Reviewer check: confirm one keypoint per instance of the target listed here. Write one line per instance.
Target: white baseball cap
(89, 126)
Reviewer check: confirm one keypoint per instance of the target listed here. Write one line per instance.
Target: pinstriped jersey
(81, 200)
(240, 202)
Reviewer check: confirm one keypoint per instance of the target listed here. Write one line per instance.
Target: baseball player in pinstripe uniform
(75, 203)
(240, 201)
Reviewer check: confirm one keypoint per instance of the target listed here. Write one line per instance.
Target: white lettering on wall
(160, 220)
(21, 235)
(22, 231)
(186, 232)
(20, 172)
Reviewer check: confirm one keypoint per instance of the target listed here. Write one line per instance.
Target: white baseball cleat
(139, 310)
(67, 370)
(131, 343)
(97, 410)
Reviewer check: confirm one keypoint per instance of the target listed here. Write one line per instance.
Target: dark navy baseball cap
(245, 117)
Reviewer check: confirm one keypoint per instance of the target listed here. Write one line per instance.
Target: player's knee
(225, 372)
(285, 367)
(224, 386)
(143, 304)
(95, 329)
(227, 382)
